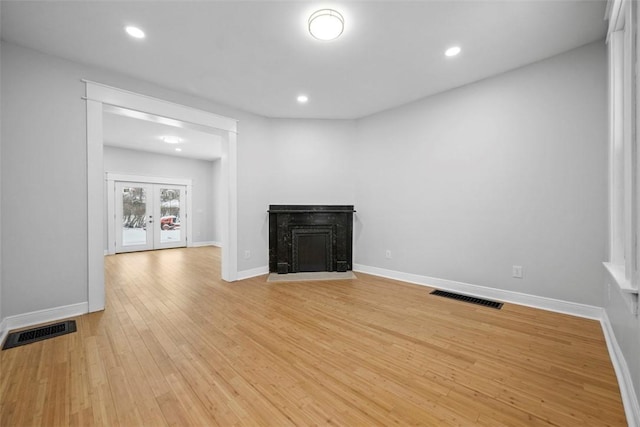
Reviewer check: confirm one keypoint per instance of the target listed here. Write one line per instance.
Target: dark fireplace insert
(306, 238)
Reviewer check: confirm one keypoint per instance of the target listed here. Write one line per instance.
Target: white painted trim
(624, 181)
(189, 209)
(628, 293)
(114, 176)
(550, 304)
(617, 273)
(111, 216)
(41, 316)
(229, 208)
(258, 271)
(96, 96)
(106, 252)
(625, 382)
(615, 16)
(206, 243)
(148, 104)
(95, 208)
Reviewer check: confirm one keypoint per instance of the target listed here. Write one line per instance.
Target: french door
(149, 216)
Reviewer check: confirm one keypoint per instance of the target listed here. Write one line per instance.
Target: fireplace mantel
(310, 238)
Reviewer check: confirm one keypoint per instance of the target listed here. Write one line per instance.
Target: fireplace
(305, 238)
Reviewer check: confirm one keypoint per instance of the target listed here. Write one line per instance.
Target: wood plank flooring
(178, 346)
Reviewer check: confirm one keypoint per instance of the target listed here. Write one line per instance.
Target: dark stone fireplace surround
(310, 238)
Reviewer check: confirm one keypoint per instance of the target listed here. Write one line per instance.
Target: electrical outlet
(247, 254)
(387, 254)
(516, 271)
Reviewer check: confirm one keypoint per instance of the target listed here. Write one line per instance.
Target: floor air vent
(465, 298)
(19, 338)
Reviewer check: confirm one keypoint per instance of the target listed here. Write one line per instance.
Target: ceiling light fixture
(302, 99)
(326, 24)
(134, 32)
(453, 51)
(178, 149)
(171, 139)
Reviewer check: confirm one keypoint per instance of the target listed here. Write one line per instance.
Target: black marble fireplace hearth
(310, 238)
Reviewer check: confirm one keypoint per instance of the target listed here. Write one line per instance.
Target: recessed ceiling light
(326, 24)
(302, 99)
(452, 51)
(178, 149)
(134, 32)
(171, 139)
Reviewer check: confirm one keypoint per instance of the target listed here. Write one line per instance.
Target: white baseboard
(550, 304)
(208, 243)
(629, 396)
(41, 316)
(4, 330)
(247, 274)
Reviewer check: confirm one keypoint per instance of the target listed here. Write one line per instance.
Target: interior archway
(97, 97)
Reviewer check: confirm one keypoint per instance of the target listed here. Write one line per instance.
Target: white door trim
(98, 95)
(114, 176)
(111, 178)
(146, 104)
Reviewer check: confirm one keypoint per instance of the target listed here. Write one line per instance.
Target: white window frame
(624, 181)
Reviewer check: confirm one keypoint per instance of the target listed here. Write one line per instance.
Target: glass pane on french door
(170, 215)
(134, 216)
(170, 209)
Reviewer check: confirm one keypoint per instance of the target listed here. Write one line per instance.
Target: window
(624, 180)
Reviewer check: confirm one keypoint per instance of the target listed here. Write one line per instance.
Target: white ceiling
(143, 132)
(258, 55)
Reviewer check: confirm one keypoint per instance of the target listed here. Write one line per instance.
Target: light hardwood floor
(178, 346)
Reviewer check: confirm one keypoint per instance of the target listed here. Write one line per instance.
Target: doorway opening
(100, 97)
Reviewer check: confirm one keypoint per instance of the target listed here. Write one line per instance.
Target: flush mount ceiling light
(178, 149)
(302, 99)
(453, 51)
(171, 139)
(326, 24)
(134, 32)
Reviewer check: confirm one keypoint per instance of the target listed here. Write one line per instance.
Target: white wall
(44, 229)
(120, 160)
(460, 186)
(305, 162)
(311, 161)
(508, 171)
(44, 155)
